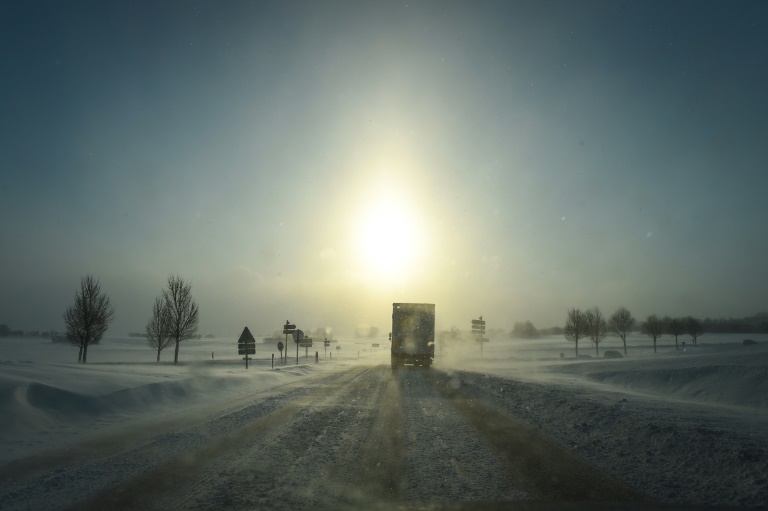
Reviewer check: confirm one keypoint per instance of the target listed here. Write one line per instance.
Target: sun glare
(388, 239)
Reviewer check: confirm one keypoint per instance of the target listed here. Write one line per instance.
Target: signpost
(478, 328)
(246, 345)
(280, 347)
(298, 336)
(326, 343)
(306, 343)
(288, 328)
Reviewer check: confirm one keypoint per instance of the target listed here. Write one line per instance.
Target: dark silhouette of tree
(159, 326)
(621, 323)
(575, 327)
(183, 311)
(654, 328)
(694, 329)
(89, 317)
(596, 327)
(524, 330)
(676, 327)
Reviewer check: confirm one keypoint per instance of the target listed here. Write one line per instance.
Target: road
(360, 437)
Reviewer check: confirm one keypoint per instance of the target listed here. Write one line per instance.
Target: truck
(413, 334)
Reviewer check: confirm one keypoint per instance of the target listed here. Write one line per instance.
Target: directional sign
(478, 326)
(288, 328)
(326, 343)
(305, 344)
(375, 345)
(298, 335)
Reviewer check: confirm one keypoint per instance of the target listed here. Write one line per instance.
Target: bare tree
(621, 322)
(89, 317)
(575, 327)
(159, 326)
(183, 311)
(653, 327)
(596, 327)
(695, 328)
(676, 327)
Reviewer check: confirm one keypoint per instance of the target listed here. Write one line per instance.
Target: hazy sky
(317, 161)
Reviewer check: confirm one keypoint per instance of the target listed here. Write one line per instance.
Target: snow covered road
(360, 437)
(353, 437)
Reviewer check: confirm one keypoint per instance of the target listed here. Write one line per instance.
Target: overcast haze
(318, 161)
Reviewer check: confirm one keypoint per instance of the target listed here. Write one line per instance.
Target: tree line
(174, 317)
(591, 324)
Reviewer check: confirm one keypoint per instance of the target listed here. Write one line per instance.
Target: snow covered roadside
(681, 427)
(46, 401)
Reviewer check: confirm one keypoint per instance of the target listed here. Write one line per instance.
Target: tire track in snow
(196, 478)
(81, 471)
(332, 453)
(537, 464)
(446, 460)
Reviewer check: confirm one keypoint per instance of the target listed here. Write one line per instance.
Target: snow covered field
(679, 426)
(46, 400)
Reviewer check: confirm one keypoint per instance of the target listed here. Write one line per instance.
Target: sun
(388, 239)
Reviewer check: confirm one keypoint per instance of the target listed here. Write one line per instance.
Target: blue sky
(317, 162)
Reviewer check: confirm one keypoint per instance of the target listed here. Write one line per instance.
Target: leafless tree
(596, 327)
(575, 327)
(159, 326)
(183, 311)
(676, 327)
(653, 327)
(621, 322)
(89, 317)
(694, 328)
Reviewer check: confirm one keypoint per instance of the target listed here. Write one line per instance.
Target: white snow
(48, 400)
(681, 426)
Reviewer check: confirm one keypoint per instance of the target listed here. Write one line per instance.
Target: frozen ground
(677, 426)
(46, 400)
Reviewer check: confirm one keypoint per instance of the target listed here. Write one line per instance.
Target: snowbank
(46, 400)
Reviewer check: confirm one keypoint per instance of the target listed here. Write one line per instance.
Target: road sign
(482, 339)
(298, 336)
(246, 337)
(305, 344)
(478, 326)
(280, 345)
(246, 344)
(375, 345)
(338, 347)
(326, 343)
(288, 328)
